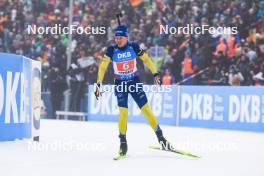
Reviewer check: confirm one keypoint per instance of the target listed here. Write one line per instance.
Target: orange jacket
(187, 66)
(221, 47)
(167, 80)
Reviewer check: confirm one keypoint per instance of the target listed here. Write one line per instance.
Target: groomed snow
(71, 148)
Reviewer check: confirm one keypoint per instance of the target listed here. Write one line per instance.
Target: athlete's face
(121, 41)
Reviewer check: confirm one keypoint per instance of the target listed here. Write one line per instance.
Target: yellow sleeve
(146, 59)
(102, 68)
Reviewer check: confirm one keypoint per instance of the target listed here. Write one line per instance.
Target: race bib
(125, 67)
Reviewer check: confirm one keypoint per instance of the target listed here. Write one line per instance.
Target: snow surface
(71, 148)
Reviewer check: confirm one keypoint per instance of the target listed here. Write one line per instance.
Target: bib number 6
(126, 66)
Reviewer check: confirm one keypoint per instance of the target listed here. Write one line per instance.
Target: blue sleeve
(139, 51)
(109, 51)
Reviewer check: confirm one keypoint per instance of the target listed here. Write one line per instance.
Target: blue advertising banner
(15, 112)
(237, 108)
(218, 107)
(161, 100)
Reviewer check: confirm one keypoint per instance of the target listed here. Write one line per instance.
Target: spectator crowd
(219, 59)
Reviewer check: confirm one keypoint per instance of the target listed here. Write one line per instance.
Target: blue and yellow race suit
(126, 74)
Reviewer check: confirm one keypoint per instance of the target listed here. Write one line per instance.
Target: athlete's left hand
(157, 78)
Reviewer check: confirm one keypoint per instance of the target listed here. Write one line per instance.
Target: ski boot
(123, 145)
(164, 144)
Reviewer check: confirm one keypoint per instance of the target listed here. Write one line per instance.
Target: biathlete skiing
(123, 55)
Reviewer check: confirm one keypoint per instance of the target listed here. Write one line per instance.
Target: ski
(176, 151)
(120, 157)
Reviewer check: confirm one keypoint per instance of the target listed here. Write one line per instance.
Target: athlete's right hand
(97, 92)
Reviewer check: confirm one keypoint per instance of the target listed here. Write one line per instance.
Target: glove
(97, 92)
(157, 78)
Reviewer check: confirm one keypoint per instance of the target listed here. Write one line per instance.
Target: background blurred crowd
(219, 59)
